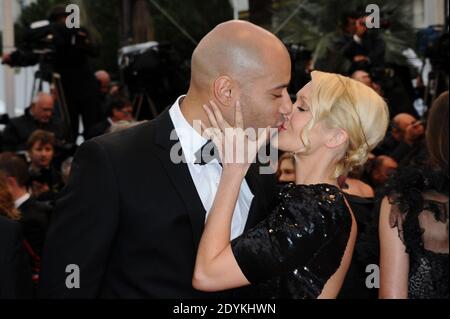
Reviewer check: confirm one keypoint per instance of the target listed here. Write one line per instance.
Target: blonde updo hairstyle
(340, 102)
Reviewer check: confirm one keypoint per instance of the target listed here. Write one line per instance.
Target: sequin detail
(294, 251)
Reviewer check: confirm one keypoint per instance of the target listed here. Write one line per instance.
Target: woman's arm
(394, 261)
(215, 267)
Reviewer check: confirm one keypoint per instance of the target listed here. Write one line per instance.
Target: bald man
(104, 80)
(38, 116)
(104, 99)
(130, 219)
(406, 128)
(410, 135)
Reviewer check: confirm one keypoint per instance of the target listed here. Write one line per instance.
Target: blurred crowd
(36, 148)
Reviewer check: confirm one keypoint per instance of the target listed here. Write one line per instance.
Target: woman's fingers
(215, 135)
(238, 116)
(236, 139)
(212, 133)
(211, 117)
(207, 131)
(220, 120)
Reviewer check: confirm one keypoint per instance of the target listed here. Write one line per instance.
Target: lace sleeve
(405, 192)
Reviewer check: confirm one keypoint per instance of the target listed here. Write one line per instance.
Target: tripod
(139, 100)
(46, 75)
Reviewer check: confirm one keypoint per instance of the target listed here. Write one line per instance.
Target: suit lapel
(184, 185)
(179, 174)
(258, 207)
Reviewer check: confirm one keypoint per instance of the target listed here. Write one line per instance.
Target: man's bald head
(104, 79)
(400, 123)
(403, 120)
(43, 98)
(102, 75)
(239, 61)
(238, 49)
(42, 107)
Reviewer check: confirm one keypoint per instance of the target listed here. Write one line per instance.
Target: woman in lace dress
(414, 220)
(304, 247)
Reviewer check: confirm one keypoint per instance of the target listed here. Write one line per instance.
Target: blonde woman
(304, 248)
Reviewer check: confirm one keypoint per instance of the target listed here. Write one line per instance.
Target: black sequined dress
(299, 246)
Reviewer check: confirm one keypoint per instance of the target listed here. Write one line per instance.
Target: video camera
(138, 63)
(156, 70)
(41, 42)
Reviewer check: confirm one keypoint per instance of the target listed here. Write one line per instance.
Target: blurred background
(309, 28)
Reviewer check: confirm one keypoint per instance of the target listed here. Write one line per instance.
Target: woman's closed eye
(302, 109)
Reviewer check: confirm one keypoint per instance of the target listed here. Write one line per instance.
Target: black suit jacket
(35, 218)
(98, 129)
(131, 219)
(15, 272)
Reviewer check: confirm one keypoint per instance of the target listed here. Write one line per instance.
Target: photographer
(119, 109)
(59, 49)
(366, 45)
(38, 116)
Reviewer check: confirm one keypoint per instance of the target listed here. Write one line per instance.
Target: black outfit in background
(299, 246)
(131, 219)
(371, 46)
(354, 286)
(387, 146)
(413, 215)
(34, 221)
(407, 155)
(79, 82)
(98, 129)
(18, 131)
(50, 176)
(15, 273)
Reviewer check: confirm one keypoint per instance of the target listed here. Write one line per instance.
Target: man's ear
(395, 132)
(224, 90)
(337, 137)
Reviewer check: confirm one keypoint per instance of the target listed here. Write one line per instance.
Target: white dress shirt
(22, 199)
(206, 177)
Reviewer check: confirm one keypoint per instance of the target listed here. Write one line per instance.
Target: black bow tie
(207, 153)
